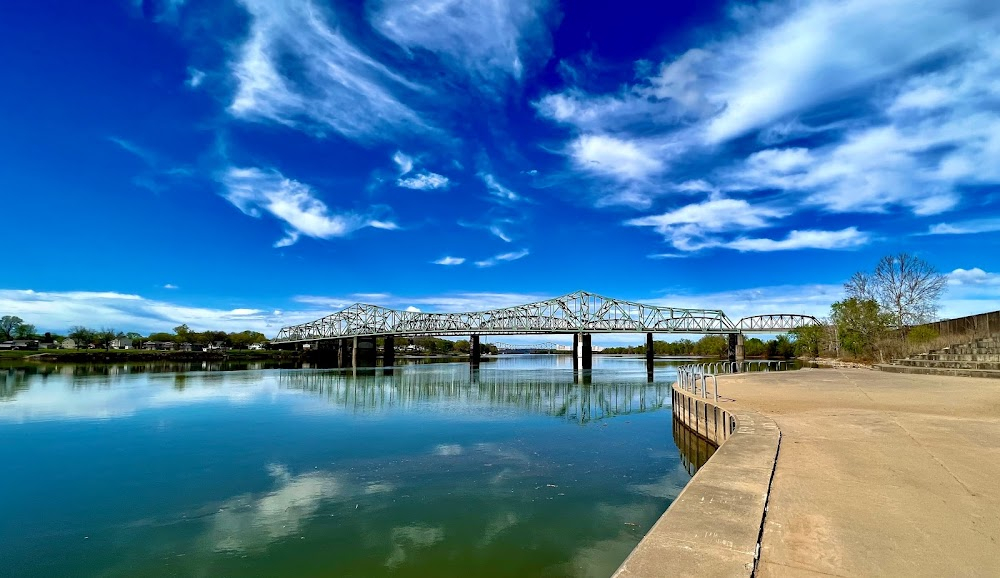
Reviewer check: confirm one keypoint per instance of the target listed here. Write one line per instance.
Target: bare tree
(905, 286)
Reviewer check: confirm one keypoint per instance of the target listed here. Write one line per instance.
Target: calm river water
(423, 470)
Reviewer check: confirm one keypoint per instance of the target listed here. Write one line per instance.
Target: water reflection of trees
(544, 392)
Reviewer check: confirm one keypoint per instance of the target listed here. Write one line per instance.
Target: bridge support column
(736, 350)
(649, 357)
(475, 355)
(576, 350)
(364, 352)
(585, 353)
(343, 352)
(389, 351)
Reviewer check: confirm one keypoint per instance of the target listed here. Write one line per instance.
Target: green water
(422, 470)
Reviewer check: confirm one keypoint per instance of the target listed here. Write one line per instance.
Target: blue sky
(254, 164)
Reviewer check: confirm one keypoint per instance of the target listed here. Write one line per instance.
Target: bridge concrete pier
(343, 352)
(363, 352)
(475, 354)
(583, 356)
(389, 351)
(736, 350)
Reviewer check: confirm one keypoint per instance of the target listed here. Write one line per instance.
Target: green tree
(106, 335)
(860, 324)
(25, 331)
(9, 325)
(162, 336)
(462, 346)
(183, 333)
(82, 336)
(808, 339)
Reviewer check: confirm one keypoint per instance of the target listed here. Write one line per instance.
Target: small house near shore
(68, 343)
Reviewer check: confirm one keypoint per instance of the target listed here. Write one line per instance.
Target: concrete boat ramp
(876, 474)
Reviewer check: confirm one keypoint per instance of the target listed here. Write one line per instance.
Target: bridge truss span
(579, 312)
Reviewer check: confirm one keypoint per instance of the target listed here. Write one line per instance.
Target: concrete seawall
(714, 526)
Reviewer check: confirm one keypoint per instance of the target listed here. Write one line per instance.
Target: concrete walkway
(879, 474)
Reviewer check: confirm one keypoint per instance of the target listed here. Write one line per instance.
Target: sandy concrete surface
(878, 474)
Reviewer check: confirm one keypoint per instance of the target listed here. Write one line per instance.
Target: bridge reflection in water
(450, 387)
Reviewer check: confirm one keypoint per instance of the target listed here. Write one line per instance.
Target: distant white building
(68, 343)
(121, 343)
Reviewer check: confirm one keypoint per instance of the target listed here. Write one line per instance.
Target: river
(519, 469)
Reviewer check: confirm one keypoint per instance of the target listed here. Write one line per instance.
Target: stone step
(959, 357)
(962, 350)
(939, 371)
(990, 365)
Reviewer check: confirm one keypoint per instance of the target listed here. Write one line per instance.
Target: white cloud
(336, 85)
(697, 226)
(170, 286)
(413, 309)
(195, 78)
(58, 310)
(424, 181)
(450, 261)
(512, 256)
(974, 276)
(902, 120)
(809, 239)
(255, 192)
(487, 40)
(450, 302)
(969, 227)
(614, 157)
(498, 190)
(404, 162)
(499, 233)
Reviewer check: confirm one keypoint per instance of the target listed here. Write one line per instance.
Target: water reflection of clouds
(408, 538)
(246, 523)
(99, 399)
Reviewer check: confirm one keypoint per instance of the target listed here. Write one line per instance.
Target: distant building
(25, 344)
(121, 343)
(257, 346)
(47, 346)
(6, 345)
(68, 343)
(159, 346)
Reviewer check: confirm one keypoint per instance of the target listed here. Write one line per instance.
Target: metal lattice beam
(579, 312)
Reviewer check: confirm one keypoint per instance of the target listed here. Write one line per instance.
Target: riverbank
(131, 355)
(878, 474)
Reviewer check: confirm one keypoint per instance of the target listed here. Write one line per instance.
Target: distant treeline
(715, 346)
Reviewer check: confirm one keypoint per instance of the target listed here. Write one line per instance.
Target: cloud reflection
(246, 523)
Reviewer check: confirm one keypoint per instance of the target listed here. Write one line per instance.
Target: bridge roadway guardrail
(694, 377)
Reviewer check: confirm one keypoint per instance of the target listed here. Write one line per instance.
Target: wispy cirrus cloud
(450, 261)
(489, 41)
(424, 181)
(336, 86)
(969, 227)
(497, 190)
(703, 225)
(808, 239)
(829, 111)
(503, 257)
(257, 192)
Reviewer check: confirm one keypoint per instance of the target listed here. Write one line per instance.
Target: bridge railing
(695, 377)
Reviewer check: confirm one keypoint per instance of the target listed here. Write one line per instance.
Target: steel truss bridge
(576, 313)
